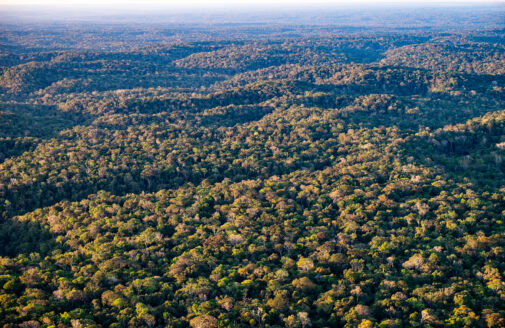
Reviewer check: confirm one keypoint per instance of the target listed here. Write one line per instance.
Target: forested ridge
(350, 180)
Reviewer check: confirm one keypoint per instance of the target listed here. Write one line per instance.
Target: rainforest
(340, 171)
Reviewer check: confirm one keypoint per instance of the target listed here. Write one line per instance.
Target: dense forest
(296, 176)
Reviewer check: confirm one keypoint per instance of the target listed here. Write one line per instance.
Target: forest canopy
(296, 176)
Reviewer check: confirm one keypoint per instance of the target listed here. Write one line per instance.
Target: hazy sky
(218, 3)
